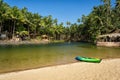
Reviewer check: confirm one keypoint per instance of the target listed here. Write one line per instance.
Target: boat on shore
(87, 59)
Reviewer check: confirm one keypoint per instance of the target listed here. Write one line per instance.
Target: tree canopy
(103, 19)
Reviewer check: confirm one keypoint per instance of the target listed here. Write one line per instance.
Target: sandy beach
(106, 70)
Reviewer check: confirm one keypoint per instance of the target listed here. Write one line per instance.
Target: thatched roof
(117, 31)
(110, 35)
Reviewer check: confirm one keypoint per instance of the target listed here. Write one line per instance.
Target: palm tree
(3, 13)
(116, 13)
(36, 21)
(1, 9)
(15, 16)
(60, 30)
(107, 12)
(68, 23)
(78, 20)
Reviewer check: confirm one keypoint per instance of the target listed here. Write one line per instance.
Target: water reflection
(21, 57)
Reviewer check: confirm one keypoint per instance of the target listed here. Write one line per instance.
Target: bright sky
(63, 10)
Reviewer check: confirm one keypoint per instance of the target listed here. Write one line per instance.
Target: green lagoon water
(20, 57)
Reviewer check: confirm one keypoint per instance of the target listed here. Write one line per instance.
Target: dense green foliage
(102, 20)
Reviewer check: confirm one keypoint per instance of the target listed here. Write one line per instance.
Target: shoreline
(2, 43)
(15, 71)
(22, 42)
(108, 69)
(75, 61)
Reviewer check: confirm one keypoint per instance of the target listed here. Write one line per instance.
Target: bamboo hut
(109, 40)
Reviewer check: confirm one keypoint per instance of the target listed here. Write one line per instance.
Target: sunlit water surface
(20, 57)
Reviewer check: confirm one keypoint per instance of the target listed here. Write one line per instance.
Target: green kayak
(86, 59)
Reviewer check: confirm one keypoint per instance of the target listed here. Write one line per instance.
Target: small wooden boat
(86, 59)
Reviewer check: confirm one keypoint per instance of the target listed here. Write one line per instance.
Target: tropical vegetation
(22, 23)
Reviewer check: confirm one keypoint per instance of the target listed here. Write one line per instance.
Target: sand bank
(106, 70)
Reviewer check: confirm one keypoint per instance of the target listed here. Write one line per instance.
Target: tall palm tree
(116, 13)
(68, 24)
(16, 16)
(3, 13)
(55, 21)
(78, 20)
(107, 12)
(1, 9)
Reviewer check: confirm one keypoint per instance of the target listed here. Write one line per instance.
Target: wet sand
(106, 70)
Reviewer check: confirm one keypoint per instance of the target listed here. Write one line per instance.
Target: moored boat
(87, 59)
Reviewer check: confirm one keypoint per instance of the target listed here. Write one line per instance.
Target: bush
(24, 35)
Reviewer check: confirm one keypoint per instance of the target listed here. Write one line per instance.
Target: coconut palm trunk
(1, 27)
(13, 35)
